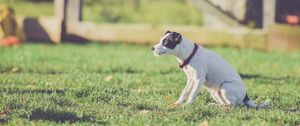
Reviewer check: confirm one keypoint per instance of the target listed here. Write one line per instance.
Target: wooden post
(68, 13)
(59, 9)
(74, 10)
(268, 13)
(74, 18)
(213, 15)
(60, 15)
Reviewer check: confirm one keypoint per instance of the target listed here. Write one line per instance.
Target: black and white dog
(204, 67)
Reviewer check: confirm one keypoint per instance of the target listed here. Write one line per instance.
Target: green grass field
(155, 12)
(120, 84)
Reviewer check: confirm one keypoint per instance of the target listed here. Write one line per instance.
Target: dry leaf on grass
(15, 70)
(168, 98)
(108, 78)
(173, 106)
(138, 90)
(4, 113)
(144, 112)
(204, 123)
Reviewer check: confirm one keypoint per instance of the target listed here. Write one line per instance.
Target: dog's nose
(152, 48)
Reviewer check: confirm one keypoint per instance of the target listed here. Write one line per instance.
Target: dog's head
(168, 44)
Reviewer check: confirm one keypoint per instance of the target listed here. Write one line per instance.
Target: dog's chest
(190, 72)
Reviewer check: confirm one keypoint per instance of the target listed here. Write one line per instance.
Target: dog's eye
(164, 42)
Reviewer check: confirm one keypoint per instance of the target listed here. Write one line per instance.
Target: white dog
(204, 67)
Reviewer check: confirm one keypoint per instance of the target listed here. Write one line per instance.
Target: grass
(119, 84)
(106, 11)
(29, 9)
(149, 12)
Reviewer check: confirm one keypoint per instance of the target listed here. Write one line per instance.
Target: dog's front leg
(195, 90)
(187, 89)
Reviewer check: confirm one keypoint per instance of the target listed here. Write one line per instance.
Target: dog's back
(218, 69)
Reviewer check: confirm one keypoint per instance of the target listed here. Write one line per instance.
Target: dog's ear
(177, 37)
(168, 32)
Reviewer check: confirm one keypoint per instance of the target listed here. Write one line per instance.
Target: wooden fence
(67, 26)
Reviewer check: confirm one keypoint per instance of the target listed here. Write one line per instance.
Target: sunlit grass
(119, 84)
(149, 12)
(29, 9)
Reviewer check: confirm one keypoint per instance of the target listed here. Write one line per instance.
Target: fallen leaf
(15, 70)
(173, 106)
(168, 97)
(144, 112)
(108, 78)
(138, 90)
(204, 123)
(4, 113)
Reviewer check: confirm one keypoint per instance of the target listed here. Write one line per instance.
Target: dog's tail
(250, 104)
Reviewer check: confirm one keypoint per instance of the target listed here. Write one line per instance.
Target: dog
(203, 67)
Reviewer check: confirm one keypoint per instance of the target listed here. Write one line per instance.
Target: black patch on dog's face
(171, 40)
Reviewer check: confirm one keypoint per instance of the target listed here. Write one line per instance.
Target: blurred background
(260, 24)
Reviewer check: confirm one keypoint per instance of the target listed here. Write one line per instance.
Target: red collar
(187, 60)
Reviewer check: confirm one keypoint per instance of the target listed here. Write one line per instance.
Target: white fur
(206, 69)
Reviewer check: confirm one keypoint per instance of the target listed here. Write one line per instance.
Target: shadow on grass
(101, 70)
(4, 120)
(138, 106)
(267, 79)
(62, 117)
(16, 70)
(119, 69)
(36, 91)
